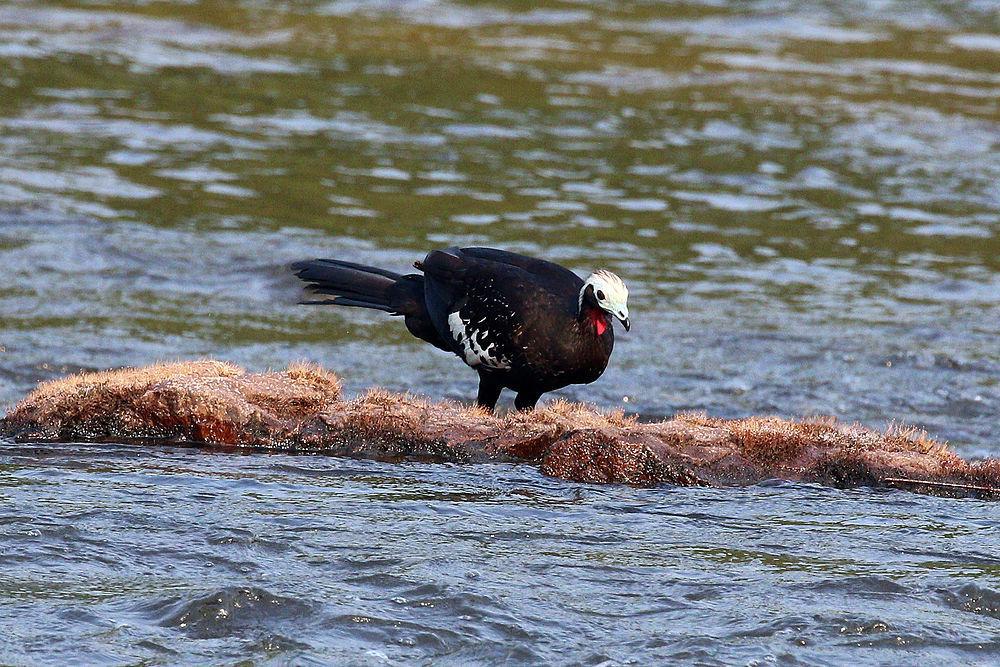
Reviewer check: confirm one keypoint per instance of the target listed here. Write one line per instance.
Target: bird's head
(606, 291)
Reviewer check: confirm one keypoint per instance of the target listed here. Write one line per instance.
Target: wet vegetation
(213, 404)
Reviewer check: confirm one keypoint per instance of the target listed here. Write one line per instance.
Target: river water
(804, 198)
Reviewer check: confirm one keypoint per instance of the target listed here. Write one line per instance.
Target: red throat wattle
(600, 320)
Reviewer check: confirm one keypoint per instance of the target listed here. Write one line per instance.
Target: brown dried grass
(773, 440)
(76, 396)
(565, 415)
(206, 399)
(315, 376)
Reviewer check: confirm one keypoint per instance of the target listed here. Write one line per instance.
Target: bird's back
(524, 284)
(553, 277)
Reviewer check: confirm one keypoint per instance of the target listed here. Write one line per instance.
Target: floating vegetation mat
(219, 405)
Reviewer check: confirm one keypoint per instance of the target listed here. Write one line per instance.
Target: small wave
(976, 42)
(227, 612)
(728, 201)
(865, 585)
(974, 599)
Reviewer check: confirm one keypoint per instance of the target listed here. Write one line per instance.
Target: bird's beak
(623, 318)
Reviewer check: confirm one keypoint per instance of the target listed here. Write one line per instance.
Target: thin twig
(950, 485)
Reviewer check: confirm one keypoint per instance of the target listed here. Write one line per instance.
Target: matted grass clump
(205, 401)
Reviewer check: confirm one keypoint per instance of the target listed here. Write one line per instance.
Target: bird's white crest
(612, 289)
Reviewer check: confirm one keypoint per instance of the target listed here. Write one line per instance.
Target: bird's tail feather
(346, 283)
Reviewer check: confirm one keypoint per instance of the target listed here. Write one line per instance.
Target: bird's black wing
(555, 277)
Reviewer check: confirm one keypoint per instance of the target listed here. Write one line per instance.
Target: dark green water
(802, 196)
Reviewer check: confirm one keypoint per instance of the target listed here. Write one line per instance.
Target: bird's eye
(600, 295)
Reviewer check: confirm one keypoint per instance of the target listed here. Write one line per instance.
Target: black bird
(526, 324)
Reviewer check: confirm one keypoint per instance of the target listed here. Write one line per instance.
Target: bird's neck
(592, 317)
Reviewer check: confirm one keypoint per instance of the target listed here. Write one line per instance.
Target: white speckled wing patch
(477, 348)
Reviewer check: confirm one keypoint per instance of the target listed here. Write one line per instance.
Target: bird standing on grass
(522, 323)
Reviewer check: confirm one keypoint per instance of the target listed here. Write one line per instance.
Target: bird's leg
(489, 392)
(526, 400)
